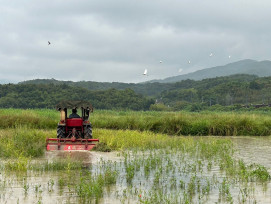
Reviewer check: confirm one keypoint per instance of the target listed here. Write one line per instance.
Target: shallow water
(44, 186)
(254, 149)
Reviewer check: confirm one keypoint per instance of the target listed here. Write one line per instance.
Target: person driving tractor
(74, 114)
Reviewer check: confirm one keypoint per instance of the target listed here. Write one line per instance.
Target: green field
(158, 162)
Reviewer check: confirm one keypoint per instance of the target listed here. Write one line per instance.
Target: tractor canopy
(74, 104)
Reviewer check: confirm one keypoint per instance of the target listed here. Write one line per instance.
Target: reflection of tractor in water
(73, 132)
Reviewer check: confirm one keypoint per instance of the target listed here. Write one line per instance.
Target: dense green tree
(48, 95)
(187, 94)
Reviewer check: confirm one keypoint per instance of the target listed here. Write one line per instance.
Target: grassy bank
(186, 123)
(172, 123)
(39, 118)
(23, 142)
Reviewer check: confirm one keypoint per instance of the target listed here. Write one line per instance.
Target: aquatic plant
(20, 164)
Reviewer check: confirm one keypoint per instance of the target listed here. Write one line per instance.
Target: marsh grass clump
(24, 164)
(127, 139)
(57, 165)
(19, 164)
(130, 173)
(110, 176)
(90, 188)
(136, 140)
(61, 183)
(260, 173)
(91, 185)
(240, 171)
(224, 190)
(101, 147)
(39, 118)
(22, 142)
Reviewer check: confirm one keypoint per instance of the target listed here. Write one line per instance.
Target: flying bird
(211, 55)
(229, 56)
(180, 70)
(189, 61)
(161, 61)
(145, 72)
(49, 43)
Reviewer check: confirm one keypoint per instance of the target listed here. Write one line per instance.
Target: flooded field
(254, 149)
(202, 170)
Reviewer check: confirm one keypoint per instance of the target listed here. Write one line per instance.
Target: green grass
(57, 165)
(186, 123)
(171, 123)
(23, 142)
(39, 118)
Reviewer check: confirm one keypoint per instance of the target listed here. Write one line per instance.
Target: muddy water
(254, 149)
(43, 187)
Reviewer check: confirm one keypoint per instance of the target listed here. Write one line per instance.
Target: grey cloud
(117, 40)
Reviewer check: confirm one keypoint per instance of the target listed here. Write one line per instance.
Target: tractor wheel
(88, 132)
(60, 132)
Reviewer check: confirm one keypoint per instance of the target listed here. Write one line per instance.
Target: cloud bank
(118, 40)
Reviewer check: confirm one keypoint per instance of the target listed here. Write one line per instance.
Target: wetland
(143, 166)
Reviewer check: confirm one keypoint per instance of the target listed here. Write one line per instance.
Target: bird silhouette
(49, 43)
(145, 72)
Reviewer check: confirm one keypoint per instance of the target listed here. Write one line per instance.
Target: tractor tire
(88, 132)
(60, 132)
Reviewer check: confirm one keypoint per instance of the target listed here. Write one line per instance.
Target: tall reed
(172, 123)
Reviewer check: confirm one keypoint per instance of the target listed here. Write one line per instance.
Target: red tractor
(73, 132)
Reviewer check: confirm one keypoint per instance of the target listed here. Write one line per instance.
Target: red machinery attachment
(70, 144)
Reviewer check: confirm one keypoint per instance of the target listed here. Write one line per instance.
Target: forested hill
(147, 89)
(48, 95)
(223, 91)
(251, 67)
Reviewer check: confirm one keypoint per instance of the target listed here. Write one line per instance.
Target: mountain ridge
(246, 66)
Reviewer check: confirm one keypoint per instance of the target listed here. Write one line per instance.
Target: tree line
(48, 95)
(228, 91)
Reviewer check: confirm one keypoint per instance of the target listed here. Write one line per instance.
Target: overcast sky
(99, 40)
